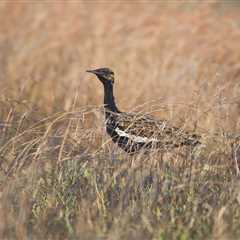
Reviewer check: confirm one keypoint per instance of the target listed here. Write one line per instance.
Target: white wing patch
(135, 138)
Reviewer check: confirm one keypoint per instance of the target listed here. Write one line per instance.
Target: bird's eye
(110, 76)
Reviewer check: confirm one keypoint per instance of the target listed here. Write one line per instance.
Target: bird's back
(137, 131)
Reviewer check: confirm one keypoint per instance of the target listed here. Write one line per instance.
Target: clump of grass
(59, 188)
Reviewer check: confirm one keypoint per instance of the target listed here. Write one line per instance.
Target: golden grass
(60, 175)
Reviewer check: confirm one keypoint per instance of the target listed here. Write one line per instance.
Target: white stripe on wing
(135, 138)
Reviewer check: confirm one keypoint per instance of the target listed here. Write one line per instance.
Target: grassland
(60, 175)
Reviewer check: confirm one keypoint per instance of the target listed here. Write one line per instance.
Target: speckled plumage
(133, 132)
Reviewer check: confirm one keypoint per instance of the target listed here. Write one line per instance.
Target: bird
(133, 132)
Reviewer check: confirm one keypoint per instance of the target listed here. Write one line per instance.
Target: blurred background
(180, 59)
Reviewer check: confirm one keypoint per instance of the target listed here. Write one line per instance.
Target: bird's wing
(144, 128)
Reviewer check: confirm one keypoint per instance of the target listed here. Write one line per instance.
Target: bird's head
(105, 75)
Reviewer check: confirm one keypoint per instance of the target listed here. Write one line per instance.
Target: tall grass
(60, 175)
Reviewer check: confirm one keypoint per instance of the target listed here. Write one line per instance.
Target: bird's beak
(92, 71)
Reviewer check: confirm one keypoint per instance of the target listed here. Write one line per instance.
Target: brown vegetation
(60, 175)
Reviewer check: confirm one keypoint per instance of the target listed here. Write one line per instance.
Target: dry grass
(60, 176)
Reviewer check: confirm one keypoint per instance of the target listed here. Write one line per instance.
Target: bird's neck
(109, 102)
